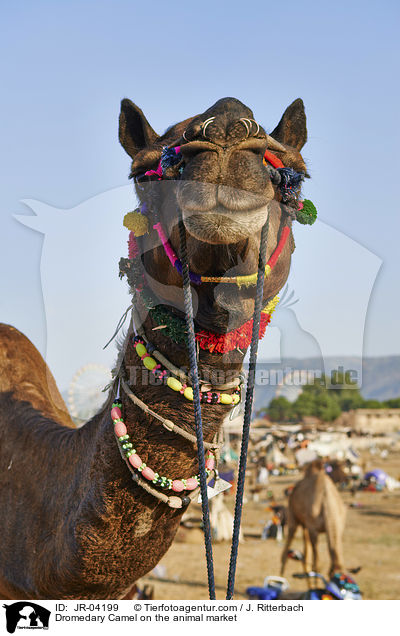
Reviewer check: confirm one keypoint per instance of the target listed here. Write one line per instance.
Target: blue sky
(65, 67)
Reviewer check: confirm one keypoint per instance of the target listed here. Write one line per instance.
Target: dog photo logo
(26, 615)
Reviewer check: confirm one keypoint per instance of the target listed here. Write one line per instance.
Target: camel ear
(292, 129)
(135, 132)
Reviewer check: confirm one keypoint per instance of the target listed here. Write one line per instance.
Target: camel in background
(316, 506)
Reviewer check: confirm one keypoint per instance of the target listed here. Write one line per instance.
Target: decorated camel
(86, 512)
(316, 505)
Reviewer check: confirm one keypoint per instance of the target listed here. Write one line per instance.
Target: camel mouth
(222, 226)
(218, 213)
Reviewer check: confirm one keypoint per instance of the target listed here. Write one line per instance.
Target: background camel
(73, 524)
(316, 506)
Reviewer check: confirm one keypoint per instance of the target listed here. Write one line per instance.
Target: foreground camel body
(73, 524)
(315, 505)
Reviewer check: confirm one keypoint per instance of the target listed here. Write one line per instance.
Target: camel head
(222, 189)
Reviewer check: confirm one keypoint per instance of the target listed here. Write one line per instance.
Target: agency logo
(26, 615)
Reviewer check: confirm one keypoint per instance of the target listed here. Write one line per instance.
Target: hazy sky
(65, 67)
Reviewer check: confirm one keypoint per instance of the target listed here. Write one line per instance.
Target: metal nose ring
(205, 124)
(248, 123)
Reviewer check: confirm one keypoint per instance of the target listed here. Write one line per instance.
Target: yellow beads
(149, 363)
(140, 350)
(174, 384)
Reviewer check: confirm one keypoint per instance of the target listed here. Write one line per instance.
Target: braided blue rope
(247, 409)
(187, 293)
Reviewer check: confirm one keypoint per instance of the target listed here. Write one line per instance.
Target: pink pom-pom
(191, 483)
(210, 463)
(120, 429)
(116, 413)
(148, 473)
(135, 460)
(177, 485)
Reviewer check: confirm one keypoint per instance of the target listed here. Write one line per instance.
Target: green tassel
(308, 214)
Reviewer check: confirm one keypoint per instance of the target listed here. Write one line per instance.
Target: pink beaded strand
(177, 485)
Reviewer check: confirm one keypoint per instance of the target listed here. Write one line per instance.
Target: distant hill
(378, 377)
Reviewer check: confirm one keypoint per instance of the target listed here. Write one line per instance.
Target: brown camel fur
(73, 524)
(316, 506)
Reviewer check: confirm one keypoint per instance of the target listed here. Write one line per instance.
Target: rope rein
(247, 410)
(187, 294)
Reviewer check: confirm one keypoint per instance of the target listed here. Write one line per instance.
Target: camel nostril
(193, 148)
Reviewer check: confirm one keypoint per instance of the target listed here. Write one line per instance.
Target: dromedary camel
(73, 522)
(315, 505)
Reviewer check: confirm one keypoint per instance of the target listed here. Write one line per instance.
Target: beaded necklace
(127, 450)
(144, 351)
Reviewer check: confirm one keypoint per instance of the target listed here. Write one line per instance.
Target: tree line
(324, 399)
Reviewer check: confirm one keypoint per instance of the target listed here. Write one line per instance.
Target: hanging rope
(247, 410)
(187, 294)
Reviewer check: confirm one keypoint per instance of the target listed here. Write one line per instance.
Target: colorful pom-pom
(136, 223)
(307, 213)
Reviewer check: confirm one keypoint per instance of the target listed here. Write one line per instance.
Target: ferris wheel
(85, 394)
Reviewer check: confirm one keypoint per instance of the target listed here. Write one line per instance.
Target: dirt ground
(372, 542)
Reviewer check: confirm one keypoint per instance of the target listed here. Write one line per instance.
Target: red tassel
(133, 249)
